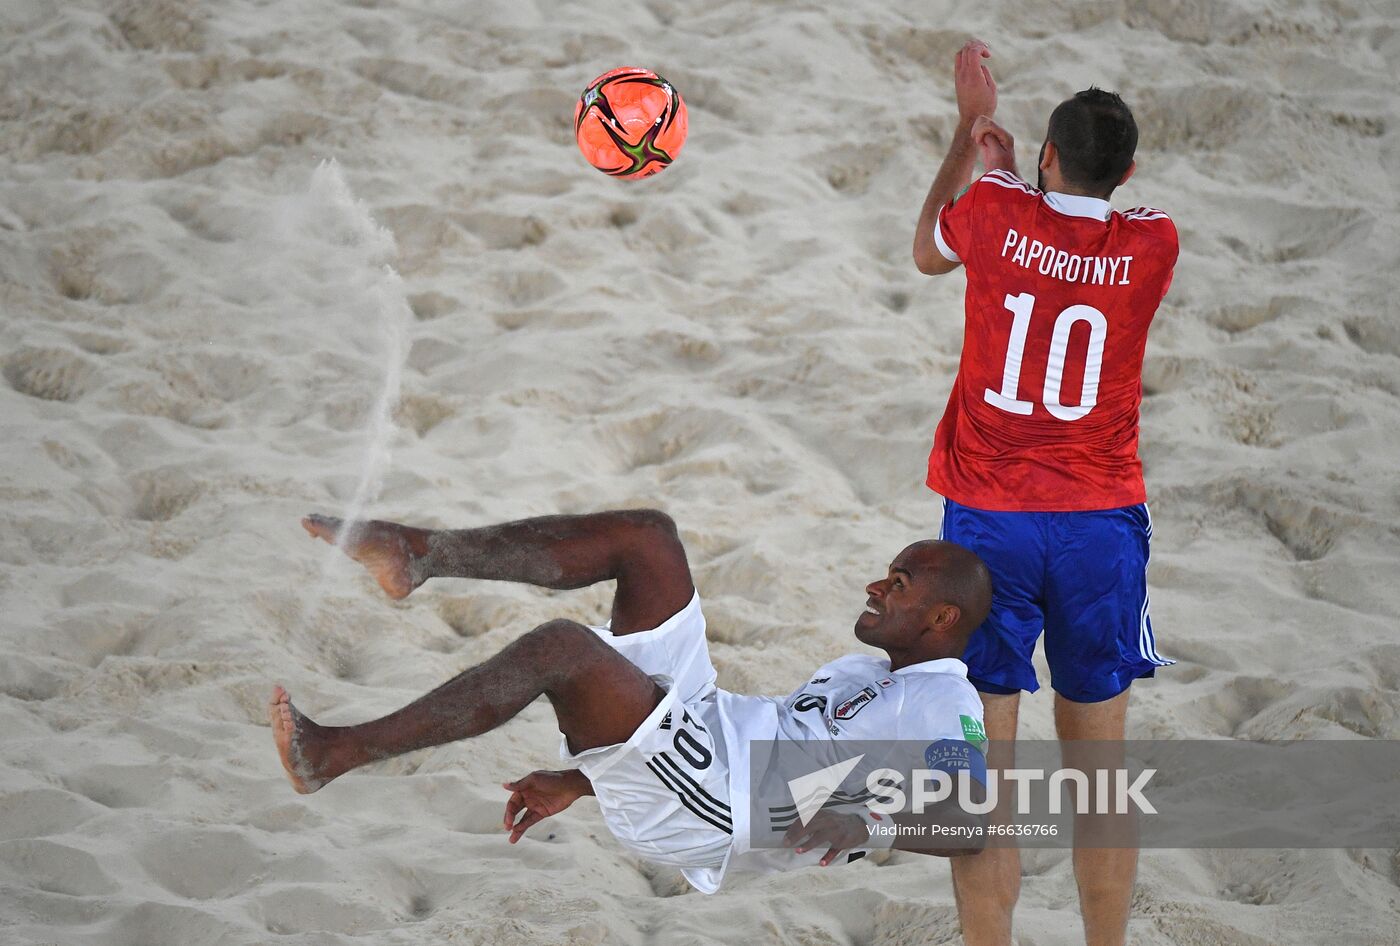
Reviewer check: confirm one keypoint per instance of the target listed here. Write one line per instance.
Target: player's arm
(995, 146)
(977, 96)
(933, 816)
(912, 818)
(944, 829)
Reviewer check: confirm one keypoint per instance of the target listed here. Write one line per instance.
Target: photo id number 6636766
(1023, 830)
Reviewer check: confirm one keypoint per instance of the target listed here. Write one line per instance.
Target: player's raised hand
(536, 797)
(994, 144)
(976, 90)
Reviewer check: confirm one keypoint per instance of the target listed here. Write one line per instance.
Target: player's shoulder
(1150, 222)
(937, 670)
(942, 684)
(1005, 186)
(939, 705)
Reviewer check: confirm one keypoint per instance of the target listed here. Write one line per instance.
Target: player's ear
(946, 616)
(1132, 166)
(1048, 155)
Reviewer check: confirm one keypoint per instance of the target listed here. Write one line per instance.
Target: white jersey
(855, 697)
(677, 792)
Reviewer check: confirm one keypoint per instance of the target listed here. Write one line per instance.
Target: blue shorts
(1079, 576)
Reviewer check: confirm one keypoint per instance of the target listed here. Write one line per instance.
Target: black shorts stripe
(673, 767)
(698, 794)
(695, 809)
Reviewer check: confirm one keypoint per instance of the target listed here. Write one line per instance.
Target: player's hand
(977, 92)
(537, 796)
(838, 832)
(995, 145)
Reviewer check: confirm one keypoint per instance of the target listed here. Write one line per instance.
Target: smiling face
(928, 603)
(897, 607)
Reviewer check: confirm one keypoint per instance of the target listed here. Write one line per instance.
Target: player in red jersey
(1036, 454)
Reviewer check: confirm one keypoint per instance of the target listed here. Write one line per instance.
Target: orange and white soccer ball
(630, 123)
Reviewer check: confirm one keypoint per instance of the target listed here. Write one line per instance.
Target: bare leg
(1104, 874)
(599, 697)
(637, 548)
(987, 885)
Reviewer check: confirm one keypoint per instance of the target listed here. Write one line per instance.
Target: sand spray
(355, 253)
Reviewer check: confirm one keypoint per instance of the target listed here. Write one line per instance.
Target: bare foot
(387, 550)
(298, 740)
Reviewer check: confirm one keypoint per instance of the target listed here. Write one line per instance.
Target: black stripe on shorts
(675, 769)
(696, 807)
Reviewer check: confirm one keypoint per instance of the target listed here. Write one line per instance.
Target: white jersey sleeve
(940, 706)
(929, 712)
(943, 717)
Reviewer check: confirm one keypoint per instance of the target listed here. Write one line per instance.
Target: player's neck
(1054, 184)
(1075, 192)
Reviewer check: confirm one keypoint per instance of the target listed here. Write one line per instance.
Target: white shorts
(664, 793)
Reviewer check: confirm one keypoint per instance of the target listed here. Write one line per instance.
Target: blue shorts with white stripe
(1081, 577)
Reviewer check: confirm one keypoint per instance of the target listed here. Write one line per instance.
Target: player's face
(897, 606)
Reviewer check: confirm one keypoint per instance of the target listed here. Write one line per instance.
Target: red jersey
(1043, 416)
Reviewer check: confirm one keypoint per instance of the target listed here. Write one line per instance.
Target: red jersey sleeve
(956, 231)
(1157, 225)
(952, 232)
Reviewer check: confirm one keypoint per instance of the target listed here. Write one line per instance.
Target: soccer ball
(630, 123)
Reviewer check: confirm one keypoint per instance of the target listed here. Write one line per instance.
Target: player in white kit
(664, 750)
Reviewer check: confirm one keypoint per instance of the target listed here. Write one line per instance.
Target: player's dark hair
(962, 579)
(1095, 136)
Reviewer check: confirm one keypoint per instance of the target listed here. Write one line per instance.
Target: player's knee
(560, 643)
(653, 536)
(653, 523)
(564, 655)
(561, 632)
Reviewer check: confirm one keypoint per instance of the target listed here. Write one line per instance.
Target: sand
(195, 328)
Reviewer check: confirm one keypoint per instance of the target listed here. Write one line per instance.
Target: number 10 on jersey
(1006, 399)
